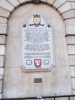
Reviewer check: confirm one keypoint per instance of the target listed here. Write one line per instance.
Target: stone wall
(70, 41)
(65, 8)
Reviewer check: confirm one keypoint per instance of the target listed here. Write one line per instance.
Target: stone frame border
(65, 9)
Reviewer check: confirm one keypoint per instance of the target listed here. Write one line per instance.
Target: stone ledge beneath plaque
(37, 70)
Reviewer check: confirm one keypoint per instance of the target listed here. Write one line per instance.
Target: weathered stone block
(0, 96)
(1, 73)
(14, 2)
(58, 3)
(49, 99)
(65, 7)
(3, 28)
(72, 60)
(70, 39)
(73, 5)
(63, 98)
(72, 98)
(72, 71)
(1, 76)
(70, 22)
(71, 49)
(50, 1)
(73, 83)
(3, 20)
(70, 29)
(2, 50)
(21, 1)
(1, 61)
(4, 4)
(4, 13)
(2, 39)
(69, 14)
(73, 93)
(0, 86)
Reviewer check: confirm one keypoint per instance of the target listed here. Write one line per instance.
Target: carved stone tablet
(37, 44)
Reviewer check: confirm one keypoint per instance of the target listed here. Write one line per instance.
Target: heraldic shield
(37, 62)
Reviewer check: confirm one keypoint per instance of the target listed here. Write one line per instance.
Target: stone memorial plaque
(37, 44)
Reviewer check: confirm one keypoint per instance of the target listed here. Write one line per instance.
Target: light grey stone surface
(1, 77)
(44, 0)
(62, 98)
(71, 59)
(50, 1)
(1, 95)
(21, 1)
(65, 7)
(72, 98)
(3, 28)
(3, 20)
(70, 29)
(74, 92)
(4, 13)
(2, 49)
(58, 3)
(72, 71)
(71, 49)
(49, 99)
(1, 61)
(4, 4)
(73, 5)
(14, 2)
(69, 14)
(0, 86)
(1, 73)
(70, 40)
(73, 83)
(2, 39)
(70, 22)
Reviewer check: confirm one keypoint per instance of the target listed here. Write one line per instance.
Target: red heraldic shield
(37, 62)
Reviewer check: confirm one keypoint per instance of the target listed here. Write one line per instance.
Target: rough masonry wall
(66, 9)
